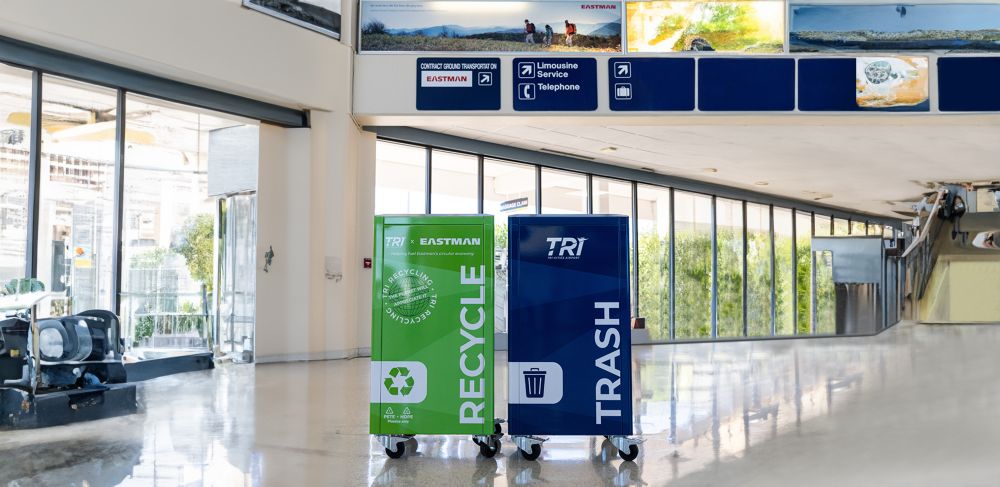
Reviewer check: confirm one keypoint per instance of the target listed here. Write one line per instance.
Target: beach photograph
(895, 27)
(496, 26)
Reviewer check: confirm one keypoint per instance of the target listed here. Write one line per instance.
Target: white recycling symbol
(406, 411)
(389, 411)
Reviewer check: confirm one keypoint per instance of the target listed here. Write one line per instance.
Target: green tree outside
(197, 247)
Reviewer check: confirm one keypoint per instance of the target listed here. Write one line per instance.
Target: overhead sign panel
(555, 84)
(650, 84)
(458, 83)
(746, 84)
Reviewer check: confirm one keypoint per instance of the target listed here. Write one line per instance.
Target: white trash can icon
(534, 383)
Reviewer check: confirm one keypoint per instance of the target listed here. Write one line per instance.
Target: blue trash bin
(569, 325)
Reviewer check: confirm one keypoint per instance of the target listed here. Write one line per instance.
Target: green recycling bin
(432, 330)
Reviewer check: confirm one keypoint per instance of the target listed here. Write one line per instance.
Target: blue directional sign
(650, 84)
(569, 342)
(458, 83)
(555, 84)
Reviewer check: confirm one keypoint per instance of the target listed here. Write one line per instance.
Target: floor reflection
(831, 411)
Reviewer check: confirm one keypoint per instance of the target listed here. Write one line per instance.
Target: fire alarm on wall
(368, 263)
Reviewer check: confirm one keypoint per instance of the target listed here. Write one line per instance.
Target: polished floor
(917, 405)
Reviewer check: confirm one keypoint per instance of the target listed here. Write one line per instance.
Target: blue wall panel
(828, 84)
(733, 84)
(969, 84)
(652, 84)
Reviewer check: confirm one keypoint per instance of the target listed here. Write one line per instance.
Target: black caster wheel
(633, 453)
(489, 449)
(536, 451)
(398, 452)
(498, 429)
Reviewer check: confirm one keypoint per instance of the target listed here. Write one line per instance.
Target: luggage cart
(432, 331)
(569, 342)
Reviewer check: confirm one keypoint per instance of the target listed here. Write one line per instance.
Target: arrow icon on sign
(527, 70)
(623, 70)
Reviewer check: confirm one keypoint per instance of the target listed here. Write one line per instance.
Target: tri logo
(565, 247)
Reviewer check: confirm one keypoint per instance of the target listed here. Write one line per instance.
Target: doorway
(236, 266)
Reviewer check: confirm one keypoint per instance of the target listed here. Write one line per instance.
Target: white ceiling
(869, 164)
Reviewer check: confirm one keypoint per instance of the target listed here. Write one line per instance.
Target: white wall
(212, 43)
(310, 179)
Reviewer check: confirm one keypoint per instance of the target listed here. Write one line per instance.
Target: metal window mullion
(119, 204)
(590, 194)
(795, 273)
(673, 272)
(812, 257)
(538, 190)
(774, 293)
(715, 268)
(428, 179)
(746, 274)
(481, 187)
(34, 176)
(635, 247)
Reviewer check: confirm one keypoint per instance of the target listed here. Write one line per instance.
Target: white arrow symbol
(525, 69)
(622, 69)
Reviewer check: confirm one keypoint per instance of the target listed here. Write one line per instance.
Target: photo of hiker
(570, 33)
(538, 26)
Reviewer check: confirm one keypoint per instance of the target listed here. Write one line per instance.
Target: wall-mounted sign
(322, 16)
(515, 204)
(894, 27)
(748, 26)
(491, 26)
(650, 84)
(458, 84)
(893, 83)
(555, 84)
(865, 83)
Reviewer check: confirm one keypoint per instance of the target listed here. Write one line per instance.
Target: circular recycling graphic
(409, 296)
(399, 382)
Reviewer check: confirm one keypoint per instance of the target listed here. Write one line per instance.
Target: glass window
(614, 197)
(170, 226)
(693, 256)
(508, 188)
(454, 183)
(400, 177)
(825, 293)
(77, 193)
(729, 238)
(15, 127)
(875, 230)
(783, 270)
(858, 228)
(803, 271)
(654, 259)
(841, 227)
(563, 192)
(822, 226)
(758, 270)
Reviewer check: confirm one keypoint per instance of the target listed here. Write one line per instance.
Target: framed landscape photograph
(322, 16)
(543, 26)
